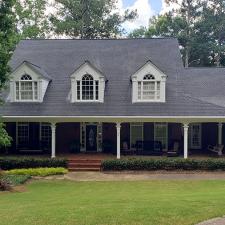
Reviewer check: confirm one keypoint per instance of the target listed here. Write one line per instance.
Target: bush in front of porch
(19, 163)
(163, 164)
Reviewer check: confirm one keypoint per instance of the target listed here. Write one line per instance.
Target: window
(149, 84)
(88, 88)
(149, 88)
(195, 133)
(26, 89)
(46, 134)
(22, 134)
(136, 134)
(161, 134)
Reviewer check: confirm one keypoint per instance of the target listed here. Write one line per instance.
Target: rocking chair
(218, 149)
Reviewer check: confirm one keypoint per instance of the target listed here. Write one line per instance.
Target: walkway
(142, 175)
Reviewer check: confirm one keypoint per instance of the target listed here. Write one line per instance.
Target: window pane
(96, 90)
(87, 87)
(26, 90)
(139, 90)
(161, 134)
(136, 134)
(23, 133)
(35, 90)
(78, 90)
(17, 91)
(46, 134)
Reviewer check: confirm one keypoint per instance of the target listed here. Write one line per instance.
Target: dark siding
(34, 136)
(209, 134)
(174, 134)
(125, 133)
(109, 134)
(66, 133)
(148, 131)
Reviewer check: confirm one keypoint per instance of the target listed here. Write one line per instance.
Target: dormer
(87, 84)
(28, 83)
(149, 84)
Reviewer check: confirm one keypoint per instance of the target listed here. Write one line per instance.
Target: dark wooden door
(91, 138)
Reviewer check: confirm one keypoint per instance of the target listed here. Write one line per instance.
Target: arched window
(149, 88)
(87, 88)
(26, 89)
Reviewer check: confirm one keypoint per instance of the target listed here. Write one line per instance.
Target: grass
(113, 203)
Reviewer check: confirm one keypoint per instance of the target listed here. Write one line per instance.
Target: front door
(91, 138)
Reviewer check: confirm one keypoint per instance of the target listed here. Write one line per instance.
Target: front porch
(109, 140)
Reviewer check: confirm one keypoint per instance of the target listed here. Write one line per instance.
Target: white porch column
(53, 128)
(185, 126)
(220, 133)
(118, 127)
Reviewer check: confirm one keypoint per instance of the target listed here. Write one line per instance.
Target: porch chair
(218, 149)
(174, 151)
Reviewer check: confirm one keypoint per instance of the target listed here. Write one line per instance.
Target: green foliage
(43, 172)
(138, 33)
(5, 139)
(14, 179)
(164, 164)
(17, 163)
(8, 38)
(32, 21)
(89, 18)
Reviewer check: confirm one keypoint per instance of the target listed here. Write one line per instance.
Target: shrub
(15, 179)
(164, 164)
(18, 163)
(4, 184)
(38, 171)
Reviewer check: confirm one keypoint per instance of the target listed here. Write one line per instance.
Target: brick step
(84, 164)
(84, 169)
(84, 161)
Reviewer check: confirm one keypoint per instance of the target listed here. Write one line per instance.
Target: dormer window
(149, 88)
(26, 89)
(87, 84)
(88, 88)
(28, 83)
(149, 84)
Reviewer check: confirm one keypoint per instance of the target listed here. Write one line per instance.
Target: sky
(145, 10)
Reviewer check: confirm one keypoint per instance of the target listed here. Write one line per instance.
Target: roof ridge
(98, 39)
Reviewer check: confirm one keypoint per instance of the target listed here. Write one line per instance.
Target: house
(111, 96)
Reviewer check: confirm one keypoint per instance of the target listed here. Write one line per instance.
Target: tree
(89, 18)
(212, 27)
(7, 43)
(32, 21)
(188, 11)
(138, 33)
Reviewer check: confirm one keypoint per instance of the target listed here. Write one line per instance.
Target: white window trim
(142, 136)
(33, 94)
(148, 68)
(161, 124)
(84, 69)
(191, 135)
(41, 133)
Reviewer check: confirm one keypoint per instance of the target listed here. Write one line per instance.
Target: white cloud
(144, 11)
(166, 8)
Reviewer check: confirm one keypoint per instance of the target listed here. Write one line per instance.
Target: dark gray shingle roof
(118, 60)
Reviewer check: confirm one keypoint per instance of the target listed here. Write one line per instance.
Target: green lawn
(111, 203)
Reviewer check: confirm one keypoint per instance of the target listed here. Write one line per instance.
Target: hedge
(42, 172)
(164, 164)
(19, 163)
